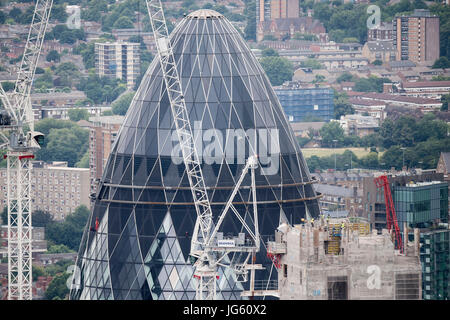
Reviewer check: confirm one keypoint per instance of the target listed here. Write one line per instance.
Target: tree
(123, 23)
(78, 114)
(377, 63)
(53, 56)
(45, 81)
(121, 105)
(68, 73)
(344, 77)
(69, 231)
(269, 52)
(59, 248)
(15, 13)
(67, 144)
(332, 131)
(442, 62)
(4, 215)
(37, 272)
(41, 218)
(250, 13)
(57, 289)
(84, 161)
(8, 85)
(311, 63)
(341, 105)
(445, 99)
(277, 69)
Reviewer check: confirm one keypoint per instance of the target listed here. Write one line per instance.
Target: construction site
(337, 259)
(188, 225)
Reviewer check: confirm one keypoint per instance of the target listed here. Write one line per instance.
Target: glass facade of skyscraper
(138, 238)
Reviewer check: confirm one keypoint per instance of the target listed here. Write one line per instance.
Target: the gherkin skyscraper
(136, 244)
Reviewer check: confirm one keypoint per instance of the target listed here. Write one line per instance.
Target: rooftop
(204, 14)
(428, 84)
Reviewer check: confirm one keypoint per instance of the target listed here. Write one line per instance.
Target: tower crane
(20, 146)
(382, 182)
(208, 247)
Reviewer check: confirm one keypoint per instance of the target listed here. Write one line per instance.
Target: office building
(140, 247)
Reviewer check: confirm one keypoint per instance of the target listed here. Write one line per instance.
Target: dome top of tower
(204, 14)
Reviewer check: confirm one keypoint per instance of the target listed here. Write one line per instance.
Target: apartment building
(118, 59)
(385, 31)
(276, 9)
(102, 134)
(56, 188)
(416, 36)
(300, 103)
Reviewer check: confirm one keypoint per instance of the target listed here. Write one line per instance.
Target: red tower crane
(391, 217)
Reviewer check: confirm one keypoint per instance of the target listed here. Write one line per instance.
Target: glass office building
(137, 241)
(306, 104)
(419, 204)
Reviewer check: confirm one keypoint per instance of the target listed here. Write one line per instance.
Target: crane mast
(205, 246)
(20, 147)
(382, 182)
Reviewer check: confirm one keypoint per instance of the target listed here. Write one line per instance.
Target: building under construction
(343, 260)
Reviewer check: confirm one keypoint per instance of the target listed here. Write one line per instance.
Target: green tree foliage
(121, 105)
(269, 52)
(101, 89)
(68, 73)
(445, 99)
(65, 35)
(78, 114)
(53, 56)
(332, 131)
(312, 63)
(370, 84)
(66, 145)
(377, 63)
(15, 13)
(278, 69)
(305, 36)
(341, 105)
(37, 272)
(84, 161)
(343, 161)
(69, 231)
(123, 23)
(250, 13)
(123, 12)
(93, 11)
(64, 141)
(59, 13)
(442, 62)
(87, 51)
(45, 81)
(41, 218)
(3, 17)
(57, 289)
(59, 248)
(8, 85)
(4, 215)
(344, 77)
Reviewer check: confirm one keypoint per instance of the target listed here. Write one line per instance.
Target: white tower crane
(208, 245)
(20, 147)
